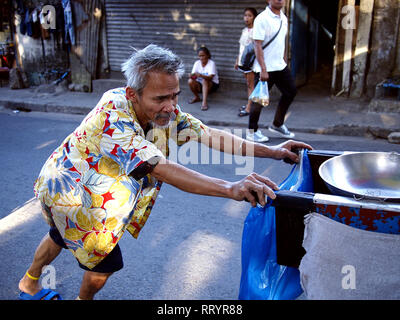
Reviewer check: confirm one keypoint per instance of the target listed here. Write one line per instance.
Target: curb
(340, 130)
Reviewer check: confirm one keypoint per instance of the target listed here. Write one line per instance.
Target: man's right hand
(264, 76)
(254, 184)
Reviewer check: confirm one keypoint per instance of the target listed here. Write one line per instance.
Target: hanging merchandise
(35, 24)
(69, 27)
(262, 277)
(44, 23)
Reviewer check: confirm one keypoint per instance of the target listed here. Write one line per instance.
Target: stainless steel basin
(363, 175)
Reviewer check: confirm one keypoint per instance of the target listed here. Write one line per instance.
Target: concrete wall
(383, 50)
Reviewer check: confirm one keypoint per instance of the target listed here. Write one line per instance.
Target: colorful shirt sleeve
(122, 142)
(189, 128)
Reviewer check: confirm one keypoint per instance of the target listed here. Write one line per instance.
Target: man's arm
(226, 142)
(194, 182)
(260, 58)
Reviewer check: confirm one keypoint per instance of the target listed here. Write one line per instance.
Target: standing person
(104, 178)
(204, 77)
(246, 37)
(270, 65)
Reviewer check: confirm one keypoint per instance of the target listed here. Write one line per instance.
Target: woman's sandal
(194, 100)
(204, 107)
(243, 113)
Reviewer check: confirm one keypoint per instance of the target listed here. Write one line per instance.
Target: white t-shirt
(209, 69)
(266, 25)
(245, 39)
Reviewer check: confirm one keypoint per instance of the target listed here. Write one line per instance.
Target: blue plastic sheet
(262, 278)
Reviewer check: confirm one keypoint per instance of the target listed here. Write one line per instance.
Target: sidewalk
(313, 110)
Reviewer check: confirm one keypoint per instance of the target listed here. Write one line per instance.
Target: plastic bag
(262, 277)
(260, 93)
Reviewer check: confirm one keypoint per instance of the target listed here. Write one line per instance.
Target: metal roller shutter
(182, 26)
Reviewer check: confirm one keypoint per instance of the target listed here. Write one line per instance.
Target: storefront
(7, 55)
(181, 25)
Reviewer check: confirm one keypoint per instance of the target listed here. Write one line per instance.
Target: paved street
(190, 247)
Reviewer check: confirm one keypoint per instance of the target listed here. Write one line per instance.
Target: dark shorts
(214, 87)
(112, 263)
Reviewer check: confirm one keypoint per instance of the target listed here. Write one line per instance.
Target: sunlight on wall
(388, 120)
(175, 15)
(188, 17)
(78, 51)
(97, 13)
(360, 51)
(198, 27)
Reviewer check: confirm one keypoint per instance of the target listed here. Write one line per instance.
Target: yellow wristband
(32, 277)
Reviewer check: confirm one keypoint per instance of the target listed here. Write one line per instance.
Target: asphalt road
(190, 247)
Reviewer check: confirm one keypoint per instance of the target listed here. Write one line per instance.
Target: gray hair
(151, 58)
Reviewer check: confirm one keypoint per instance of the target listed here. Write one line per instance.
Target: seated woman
(204, 77)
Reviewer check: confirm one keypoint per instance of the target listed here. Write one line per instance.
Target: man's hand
(287, 150)
(252, 185)
(264, 76)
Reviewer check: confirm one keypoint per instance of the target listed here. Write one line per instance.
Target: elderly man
(106, 175)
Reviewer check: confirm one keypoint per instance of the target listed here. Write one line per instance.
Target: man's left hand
(288, 149)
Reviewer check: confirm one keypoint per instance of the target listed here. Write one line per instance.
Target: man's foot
(204, 107)
(194, 100)
(283, 131)
(30, 290)
(256, 136)
(28, 285)
(44, 294)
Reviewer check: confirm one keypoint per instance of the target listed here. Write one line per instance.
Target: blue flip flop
(44, 294)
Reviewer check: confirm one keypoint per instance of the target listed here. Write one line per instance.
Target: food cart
(332, 242)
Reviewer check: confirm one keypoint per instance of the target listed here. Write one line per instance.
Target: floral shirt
(97, 183)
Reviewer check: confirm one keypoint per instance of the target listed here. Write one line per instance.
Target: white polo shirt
(266, 25)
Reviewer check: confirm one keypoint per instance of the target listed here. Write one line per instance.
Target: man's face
(158, 99)
(277, 4)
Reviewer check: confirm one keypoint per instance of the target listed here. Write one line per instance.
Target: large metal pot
(363, 175)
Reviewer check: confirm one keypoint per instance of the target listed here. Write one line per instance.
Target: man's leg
(286, 85)
(92, 283)
(45, 253)
(95, 279)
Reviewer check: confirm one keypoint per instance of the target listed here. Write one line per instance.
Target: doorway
(313, 26)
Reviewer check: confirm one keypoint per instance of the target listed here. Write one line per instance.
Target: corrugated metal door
(182, 26)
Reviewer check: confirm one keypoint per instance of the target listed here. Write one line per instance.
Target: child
(246, 37)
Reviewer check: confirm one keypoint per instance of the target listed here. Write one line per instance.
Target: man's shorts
(112, 263)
